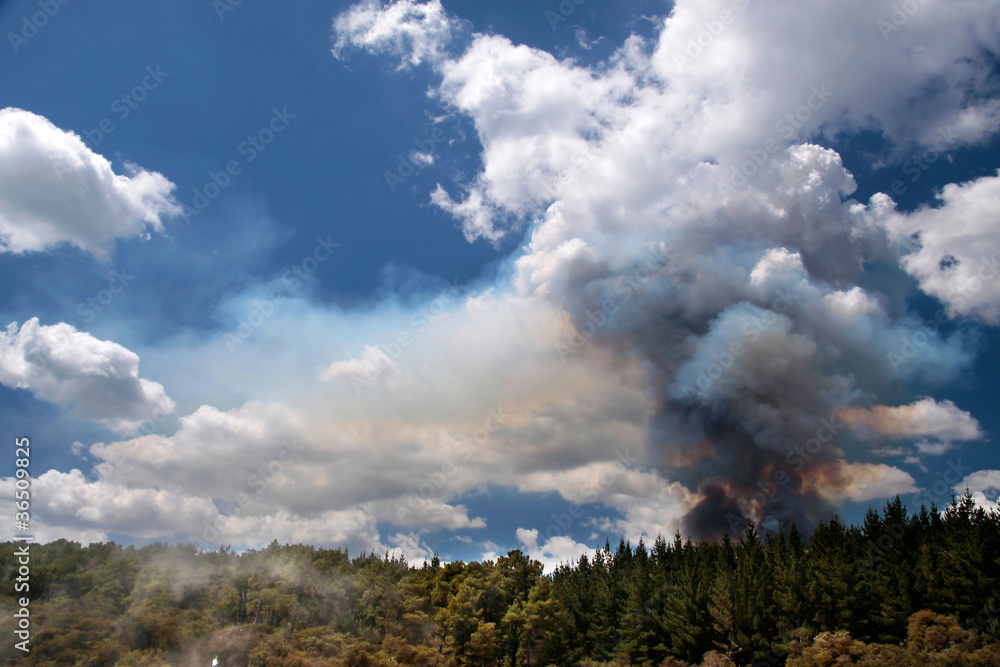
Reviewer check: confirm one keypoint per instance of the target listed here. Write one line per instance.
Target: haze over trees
(900, 589)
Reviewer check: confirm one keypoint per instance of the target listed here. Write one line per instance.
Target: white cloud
(433, 513)
(873, 81)
(69, 501)
(549, 125)
(399, 458)
(952, 249)
(934, 448)
(54, 189)
(608, 165)
(554, 551)
(424, 159)
(412, 30)
(410, 546)
(373, 368)
(649, 504)
(490, 550)
(840, 481)
(476, 216)
(984, 486)
(639, 153)
(98, 379)
(926, 418)
(68, 505)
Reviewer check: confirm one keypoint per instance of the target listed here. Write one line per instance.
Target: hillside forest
(902, 588)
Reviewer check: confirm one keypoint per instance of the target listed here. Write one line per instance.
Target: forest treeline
(899, 589)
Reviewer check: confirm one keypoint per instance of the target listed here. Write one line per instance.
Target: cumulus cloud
(691, 286)
(873, 81)
(404, 459)
(98, 379)
(648, 504)
(840, 481)
(412, 30)
(758, 322)
(373, 367)
(68, 505)
(925, 418)
(265, 458)
(63, 499)
(951, 249)
(541, 120)
(54, 189)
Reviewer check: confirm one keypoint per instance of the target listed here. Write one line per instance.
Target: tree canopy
(900, 589)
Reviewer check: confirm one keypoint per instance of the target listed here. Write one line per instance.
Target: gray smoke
(748, 352)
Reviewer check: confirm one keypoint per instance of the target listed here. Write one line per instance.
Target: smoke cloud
(762, 321)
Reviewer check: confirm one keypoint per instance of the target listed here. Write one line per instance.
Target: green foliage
(900, 589)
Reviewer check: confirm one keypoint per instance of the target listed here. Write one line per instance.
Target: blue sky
(182, 339)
